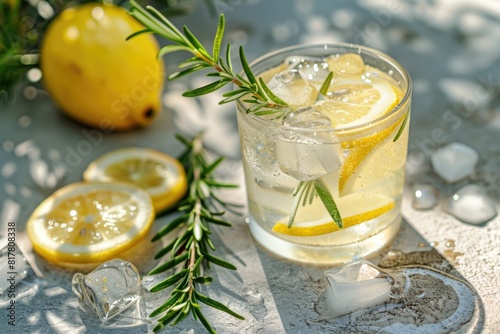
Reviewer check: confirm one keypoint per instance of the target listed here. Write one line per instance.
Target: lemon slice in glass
(355, 102)
(312, 220)
(352, 103)
(90, 222)
(372, 159)
(160, 175)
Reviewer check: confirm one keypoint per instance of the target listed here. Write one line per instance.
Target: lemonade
(347, 143)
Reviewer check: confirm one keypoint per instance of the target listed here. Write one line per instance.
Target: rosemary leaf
(221, 184)
(219, 222)
(167, 319)
(270, 94)
(171, 48)
(158, 15)
(166, 305)
(218, 261)
(165, 250)
(185, 141)
(181, 316)
(169, 265)
(215, 304)
(180, 242)
(211, 87)
(197, 263)
(169, 227)
(196, 43)
(210, 168)
(228, 58)
(140, 32)
(203, 280)
(158, 327)
(246, 67)
(191, 62)
(402, 127)
(326, 84)
(233, 98)
(169, 281)
(182, 73)
(298, 194)
(218, 37)
(204, 321)
(328, 201)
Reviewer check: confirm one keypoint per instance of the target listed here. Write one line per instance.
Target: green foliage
(191, 249)
(262, 101)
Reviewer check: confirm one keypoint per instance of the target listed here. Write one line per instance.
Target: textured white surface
(450, 49)
(472, 250)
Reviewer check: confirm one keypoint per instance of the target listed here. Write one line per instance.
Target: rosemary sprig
(192, 247)
(258, 95)
(304, 194)
(262, 100)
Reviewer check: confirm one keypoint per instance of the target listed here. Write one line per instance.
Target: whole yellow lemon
(95, 75)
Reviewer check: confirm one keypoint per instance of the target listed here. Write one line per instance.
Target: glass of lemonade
(345, 145)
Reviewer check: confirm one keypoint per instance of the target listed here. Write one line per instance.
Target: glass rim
(360, 49)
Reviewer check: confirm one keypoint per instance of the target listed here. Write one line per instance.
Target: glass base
(325, 255)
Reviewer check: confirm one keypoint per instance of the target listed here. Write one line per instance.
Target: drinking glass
(291, 159)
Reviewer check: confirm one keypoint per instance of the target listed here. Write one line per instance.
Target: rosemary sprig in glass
(199, 210)
(306, 191)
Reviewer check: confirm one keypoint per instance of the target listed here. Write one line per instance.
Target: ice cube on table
(454, 161)
(471, 205)
(292, 88)
(311, 69)
(306, 148)
(422, 300)
(12, 265)
(424, 196)
(358, 285)
(16, 275)
(256, 302)
(110, 289)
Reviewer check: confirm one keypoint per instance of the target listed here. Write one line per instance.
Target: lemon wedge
(354, 102)
(312, 220)
(90, 222)
(160, 175)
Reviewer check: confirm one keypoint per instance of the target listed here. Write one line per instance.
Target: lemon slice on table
(312, 220)
(90, 222)
(160, 175)
(354, 102)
